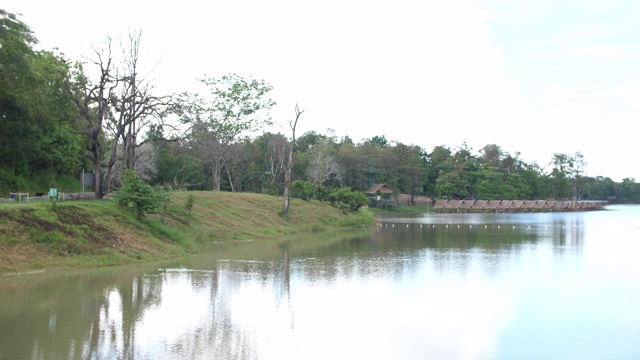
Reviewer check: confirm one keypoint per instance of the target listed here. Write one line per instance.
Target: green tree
(436, 162)
(176, 165)
(628, 190)
(489, 181)
(378, 141)
(560, 175)
(36, 112)
(492, 154)
(59, 149)
(238, 106)
(458, 175)
(578, 171)
(16, 78)
(410, 168)
(351, 161)
(520, 188)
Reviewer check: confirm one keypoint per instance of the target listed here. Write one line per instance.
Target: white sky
(534, 76)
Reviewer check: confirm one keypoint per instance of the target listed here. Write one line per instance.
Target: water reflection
(413, 287)
(76, 315)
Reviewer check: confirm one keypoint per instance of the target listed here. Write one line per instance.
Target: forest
(103, 115)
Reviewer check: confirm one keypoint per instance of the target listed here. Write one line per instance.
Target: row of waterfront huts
(477, 206)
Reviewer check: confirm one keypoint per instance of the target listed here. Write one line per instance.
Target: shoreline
(36, 236)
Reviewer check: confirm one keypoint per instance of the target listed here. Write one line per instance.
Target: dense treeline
(104, 115)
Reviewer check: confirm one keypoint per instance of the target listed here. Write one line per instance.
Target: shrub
(342, 198)
(139, 196)
(188, 204)
(301, 189)
(324, 193)
(271, 188)
(346, 200)
(11, 183)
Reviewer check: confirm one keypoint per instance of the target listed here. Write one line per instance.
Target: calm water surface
(433, 286)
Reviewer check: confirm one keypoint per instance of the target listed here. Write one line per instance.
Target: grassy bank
(78, 234)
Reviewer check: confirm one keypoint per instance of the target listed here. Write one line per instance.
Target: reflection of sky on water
(473, 303)
(358, 313)
(562, 287)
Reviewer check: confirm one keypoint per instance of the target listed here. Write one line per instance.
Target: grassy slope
(95, 233)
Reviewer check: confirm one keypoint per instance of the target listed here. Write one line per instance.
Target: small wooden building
(379, 189)
(379, 194)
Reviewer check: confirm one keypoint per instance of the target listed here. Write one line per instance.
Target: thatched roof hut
(379, 188)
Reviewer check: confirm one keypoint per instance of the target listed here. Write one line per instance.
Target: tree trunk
(230, 179)
(287, 187)
(97, 181)
(289, 165)
(216, 172)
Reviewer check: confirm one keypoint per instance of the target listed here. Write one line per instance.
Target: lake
(427, 286)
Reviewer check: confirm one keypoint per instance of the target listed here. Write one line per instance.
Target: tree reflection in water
(245, 307)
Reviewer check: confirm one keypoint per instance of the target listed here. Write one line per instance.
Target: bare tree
(323, 166)
(288, 164)
(134, 108)
(274, 158)
(92, 101)
(145, 165)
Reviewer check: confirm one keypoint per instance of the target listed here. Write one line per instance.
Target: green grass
(98, 233)
(176, 235)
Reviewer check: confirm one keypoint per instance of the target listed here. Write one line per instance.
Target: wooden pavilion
(379, 194)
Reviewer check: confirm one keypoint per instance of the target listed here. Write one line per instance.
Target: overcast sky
(532, 76)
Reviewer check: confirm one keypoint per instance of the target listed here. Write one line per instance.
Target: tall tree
(322, 164)
(36, 108)
(353, 165)
(274, 156)
(238, 106)
(92, 101)
(560, 175)
(289, 162)
(135, 107)
(579, 169)
(236, 163)
(16, 52)
(412, 168)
